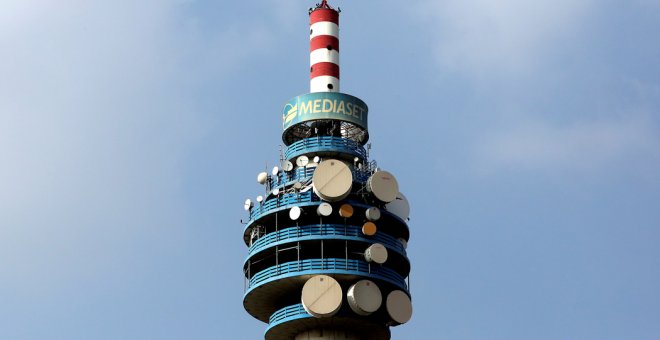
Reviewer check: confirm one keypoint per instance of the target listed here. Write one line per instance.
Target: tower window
(330, 86)
(311, 32)
(329, 47)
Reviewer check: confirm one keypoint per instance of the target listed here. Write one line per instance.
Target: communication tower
(327, 240)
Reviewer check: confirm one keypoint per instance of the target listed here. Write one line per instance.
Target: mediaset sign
(325, 105)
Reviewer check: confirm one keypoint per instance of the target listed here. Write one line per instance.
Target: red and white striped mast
(324, 48)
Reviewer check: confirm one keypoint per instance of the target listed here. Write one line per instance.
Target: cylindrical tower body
(324, 50)
(327, 238)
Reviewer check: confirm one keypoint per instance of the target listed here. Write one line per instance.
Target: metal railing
(286, 313)
(325, 143)
(320, 266)
(281, 201)
(312, 231)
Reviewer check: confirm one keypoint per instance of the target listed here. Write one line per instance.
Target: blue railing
(330, 266)
(315, 231)
(325, 143)
(290, 312)
(281, 201)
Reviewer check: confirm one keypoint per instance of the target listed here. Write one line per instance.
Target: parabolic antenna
(383, 185)
(373, 214)
(317, 159)
(294, 213)
(297, 186)
(324, 209)
(346, 210)
(399, 207)
(248, 204)
(369, 229)
(302, 161)
(262, 177)
(332, 180)
(376, 253)
(404, 243)
(399, 306)
(287, 166)
(364, 297)
(260, 199)
(321, 296)
(276, 191)
(275, 171)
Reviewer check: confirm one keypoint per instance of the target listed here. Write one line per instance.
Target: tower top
(323, 5)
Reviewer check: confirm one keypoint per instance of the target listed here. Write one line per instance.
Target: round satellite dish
(332, 180)
(321, 296)
(346, 210)
(276, 191)
(399, 207)
(287, 166)
(356, 159)
(404, 243)
(302, 161)
(248, 204)
(294, 213)
(373, 214)
(376, 253)
(364, 297)
(260, 198)
(369, 229)
(262, 177)
(276, 170)
(317, 159)
(324, 209)
(398, 306)
(383, 185)
(297, 186)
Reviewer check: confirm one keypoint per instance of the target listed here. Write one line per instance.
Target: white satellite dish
(332, 180)
(399, 207)
(383, 186)
(373, 214)
(324, 209)
(294, 213)
(248, 204)
(376, 253)
(287, 165)
(364, 297)
(276, 191)
(321, 296)
(317, 159)
(262, 177)
(398, 306)
(260, 199)
(302, 161)
(276, 171)
(297, 186)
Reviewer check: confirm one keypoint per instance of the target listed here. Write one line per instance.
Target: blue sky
(525, 134)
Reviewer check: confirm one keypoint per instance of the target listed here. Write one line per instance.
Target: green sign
(325, 105)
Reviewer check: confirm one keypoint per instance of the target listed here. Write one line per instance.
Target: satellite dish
(262, 177)
(399, 207)
(383, 185)
(399, 307)
(302, 161)
(294, 213)
(297, 186)
(373, 214)
(376, 253)
(276, 170)
(346, 210)
(260, 198)
(332, 180)
(364, 297)
(317, 159)
(324, 209)
(321, 296)
(287, 166)
(276, 191)
(248, 204)
(369, 229)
